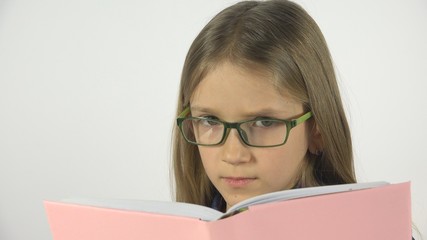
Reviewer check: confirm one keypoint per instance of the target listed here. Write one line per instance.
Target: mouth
(238, 182)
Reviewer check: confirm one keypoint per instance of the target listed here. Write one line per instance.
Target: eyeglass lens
(263, 132)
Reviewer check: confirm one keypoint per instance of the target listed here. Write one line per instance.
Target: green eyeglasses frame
(236, 125)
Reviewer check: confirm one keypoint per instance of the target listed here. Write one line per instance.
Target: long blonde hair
(282, 38)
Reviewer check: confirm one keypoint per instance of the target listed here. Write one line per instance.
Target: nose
(234, 151)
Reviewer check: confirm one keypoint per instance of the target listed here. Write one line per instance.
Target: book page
(300, 193)
(160, 207)
(209, 214)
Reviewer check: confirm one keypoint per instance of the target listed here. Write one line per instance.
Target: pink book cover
(376, 213)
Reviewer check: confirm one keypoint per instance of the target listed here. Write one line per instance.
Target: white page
(160, 207)
(209, 214)
(303, 192)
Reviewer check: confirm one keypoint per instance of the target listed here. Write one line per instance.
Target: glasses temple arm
(184, 113)
(303, 118)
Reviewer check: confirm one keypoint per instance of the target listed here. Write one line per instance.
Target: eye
(263, 123)
(209, 121)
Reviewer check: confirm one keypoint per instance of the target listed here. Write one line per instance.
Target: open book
(366, 211)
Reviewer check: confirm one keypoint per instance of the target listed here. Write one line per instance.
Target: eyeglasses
(258, 132)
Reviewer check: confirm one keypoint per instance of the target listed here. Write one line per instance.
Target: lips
(238, 182)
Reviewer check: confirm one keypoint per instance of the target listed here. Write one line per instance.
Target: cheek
(207, 153)
(279, 159)
(279, 169)
(209, 158)
(284, 161)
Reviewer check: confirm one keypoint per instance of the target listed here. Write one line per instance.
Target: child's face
(238, 171)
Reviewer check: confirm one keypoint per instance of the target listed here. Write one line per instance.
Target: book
(368, 211)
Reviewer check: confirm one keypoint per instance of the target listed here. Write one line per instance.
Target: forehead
(239, 90)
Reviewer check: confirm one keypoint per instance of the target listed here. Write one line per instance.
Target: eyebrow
(205, 110)
(200, 109)
(260, 112)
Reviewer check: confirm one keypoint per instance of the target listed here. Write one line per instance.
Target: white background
(88, 91)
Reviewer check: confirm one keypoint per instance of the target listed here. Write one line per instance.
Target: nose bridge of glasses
(236, 125)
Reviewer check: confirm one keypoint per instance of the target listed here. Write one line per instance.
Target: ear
(315, 145)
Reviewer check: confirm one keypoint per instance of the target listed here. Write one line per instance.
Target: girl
(259, 108)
